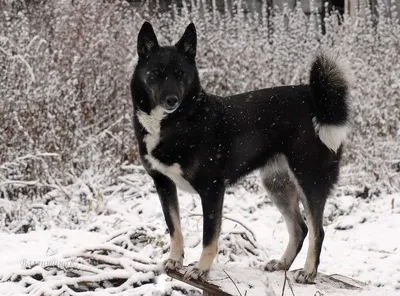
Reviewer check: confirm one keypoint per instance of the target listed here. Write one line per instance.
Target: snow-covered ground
(362, 237)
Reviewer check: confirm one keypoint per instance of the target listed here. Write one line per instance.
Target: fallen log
(236, 280)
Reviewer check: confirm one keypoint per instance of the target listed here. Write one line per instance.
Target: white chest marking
(152, 125)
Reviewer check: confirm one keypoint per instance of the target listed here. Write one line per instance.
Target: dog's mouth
(168, 109)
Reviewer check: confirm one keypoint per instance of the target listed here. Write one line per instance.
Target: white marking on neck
(152, 124)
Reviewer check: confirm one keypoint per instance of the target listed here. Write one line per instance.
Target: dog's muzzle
(171, 103)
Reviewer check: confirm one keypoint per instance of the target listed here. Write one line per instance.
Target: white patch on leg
(152, 123)
(308, 274)
(177, 239)
(208, 255)
(175, 259)
(202, 268)
(311, 254)
(291, 249)
(332, 135)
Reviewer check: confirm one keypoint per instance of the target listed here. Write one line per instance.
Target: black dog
(203, 143)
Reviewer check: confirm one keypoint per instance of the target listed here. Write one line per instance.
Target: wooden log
(236, 280)
(207, 288)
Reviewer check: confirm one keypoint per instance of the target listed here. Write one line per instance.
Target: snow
(361, 240)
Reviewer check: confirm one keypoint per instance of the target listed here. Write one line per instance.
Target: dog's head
(168, 74)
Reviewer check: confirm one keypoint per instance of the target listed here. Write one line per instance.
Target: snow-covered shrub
(64, 86)
(65, 68)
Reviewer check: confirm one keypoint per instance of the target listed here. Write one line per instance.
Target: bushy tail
(330, 85)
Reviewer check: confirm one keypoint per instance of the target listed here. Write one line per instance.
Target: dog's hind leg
(212, 203)
(166, 190)
(284, 194)
(314, 199)
(316, 181)
(316, 236)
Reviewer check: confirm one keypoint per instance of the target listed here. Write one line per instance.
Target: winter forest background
(68, 158)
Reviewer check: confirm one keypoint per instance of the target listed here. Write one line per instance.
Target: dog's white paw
(171, 264)
(274, 265)
(305, 277)
(196, 273)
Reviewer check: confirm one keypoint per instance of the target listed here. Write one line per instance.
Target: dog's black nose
(172, 101)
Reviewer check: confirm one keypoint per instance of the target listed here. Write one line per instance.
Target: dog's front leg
(166, 190)
(212, 201)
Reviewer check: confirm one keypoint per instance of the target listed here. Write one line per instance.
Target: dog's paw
(274, 265)
(305, 277)
(196, 273)
(171, 264)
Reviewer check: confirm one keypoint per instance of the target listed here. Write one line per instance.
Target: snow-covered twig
(230, 219)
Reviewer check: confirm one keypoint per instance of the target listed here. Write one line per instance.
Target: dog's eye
(179, 73)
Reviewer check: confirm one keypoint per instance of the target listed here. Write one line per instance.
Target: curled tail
(330, 86)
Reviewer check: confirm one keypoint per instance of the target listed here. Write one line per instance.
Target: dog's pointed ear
(147, 40)
(188, 42)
